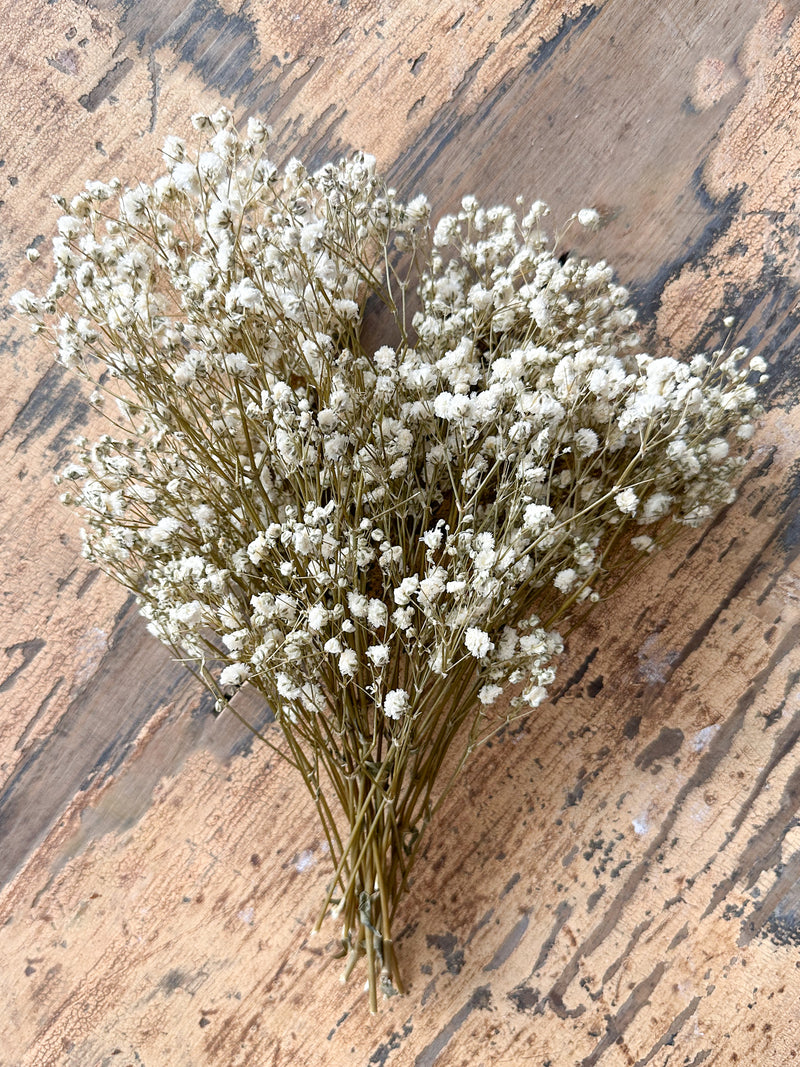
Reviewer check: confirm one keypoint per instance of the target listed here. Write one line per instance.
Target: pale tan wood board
(616, 883)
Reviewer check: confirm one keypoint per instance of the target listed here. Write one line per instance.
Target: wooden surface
(615, 883)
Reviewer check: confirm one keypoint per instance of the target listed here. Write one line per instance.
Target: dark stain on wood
(28, 650)
(763, 850)
(480, 1000)
(58, 404)
(666, 744)
(381, 1055)
(524, 998)
(562, 914)
(34, 795)
(672, 1032)
(509, 944)
(647, 293)
(430, 156)
(106, 86)
(38, 715)
(617, 1025)
(576, 677)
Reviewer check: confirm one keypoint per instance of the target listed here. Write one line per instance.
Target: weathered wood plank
(616, 881)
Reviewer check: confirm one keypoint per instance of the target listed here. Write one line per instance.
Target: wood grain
(617, 882)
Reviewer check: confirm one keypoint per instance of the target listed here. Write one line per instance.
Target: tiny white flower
(327, 420)
(377, 613)
(534, 696)
(656, 507)
(234, 674)
(433, 538)
(235, 641)
(478, 642)
(348, 663)
(406, 589)
(257, 132)
(627, 501)
(286, 687)
(396, 703)
(379, 654)
(190, 614)
(643, 543)
(244, 295)
(184, 373)
(318, 617)
(347, 309)
(418, 209)
(537, 516)
(433, 585)
(385, 358)
(402, 618)
(488, 694)
(358, 605)
(565, 579)
(25, 302)
(237, 364)
(717, 450)
(587, 441)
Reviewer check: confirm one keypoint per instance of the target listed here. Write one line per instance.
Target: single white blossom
(396, 703)
(627, 501)
(235, 674)
(348, 662)
(478, 642)
(588, 217)
(379, 654)
(565, 579)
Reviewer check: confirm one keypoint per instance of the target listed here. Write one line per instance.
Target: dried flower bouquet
(384, 540)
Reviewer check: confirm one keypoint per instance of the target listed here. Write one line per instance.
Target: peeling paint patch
(480, 1000)
(304, 861)
(90, 651)
(29, 650)
(641, 824)
(509, 945)
(655, 663)
(702, 737)
(712, 81)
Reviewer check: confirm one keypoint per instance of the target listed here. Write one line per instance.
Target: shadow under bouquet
(384, 529)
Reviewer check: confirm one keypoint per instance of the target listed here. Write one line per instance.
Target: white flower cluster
(347, 528)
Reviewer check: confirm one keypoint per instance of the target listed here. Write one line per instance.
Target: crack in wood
(617, 1025)
(674, 1028)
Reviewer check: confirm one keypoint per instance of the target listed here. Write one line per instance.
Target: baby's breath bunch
(388, 540)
